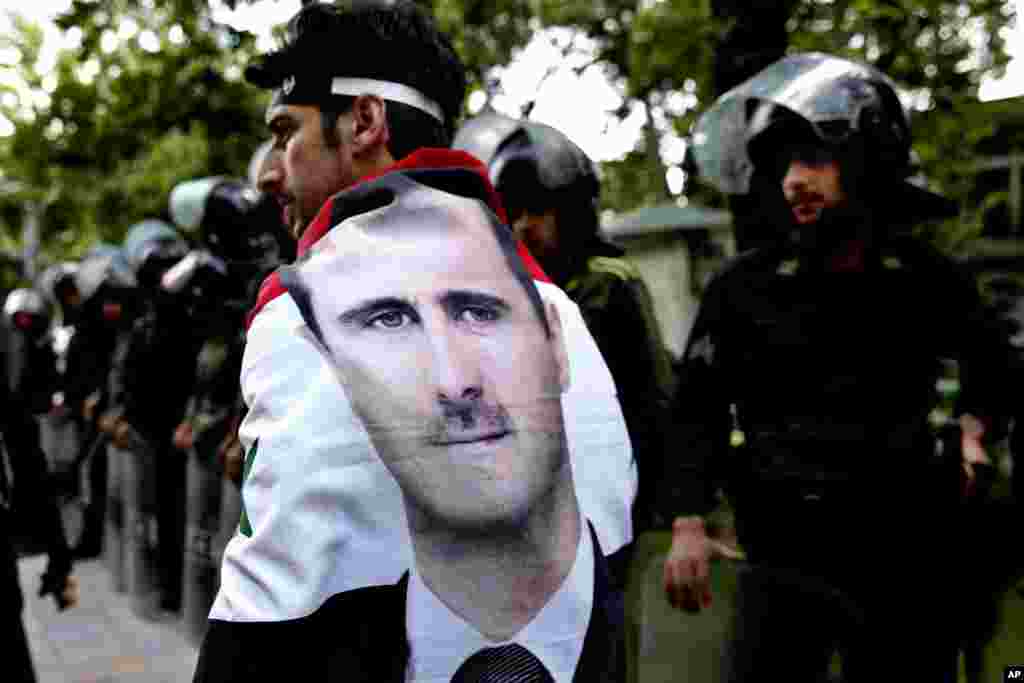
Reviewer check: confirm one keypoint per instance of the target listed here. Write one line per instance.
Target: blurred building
(676, 248)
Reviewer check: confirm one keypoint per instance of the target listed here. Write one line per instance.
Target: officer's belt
(829, 455)
(805, 433)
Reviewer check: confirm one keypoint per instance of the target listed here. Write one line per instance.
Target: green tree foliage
(152, 94)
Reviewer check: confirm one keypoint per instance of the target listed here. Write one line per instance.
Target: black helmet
(151, 247)
(851, 109)
(531, 151)
(535, 167)
(859, 121)
(228, 217)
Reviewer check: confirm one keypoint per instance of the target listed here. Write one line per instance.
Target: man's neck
(499, 580)
(372, 165)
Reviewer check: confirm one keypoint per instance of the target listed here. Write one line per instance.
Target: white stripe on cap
(396, 92)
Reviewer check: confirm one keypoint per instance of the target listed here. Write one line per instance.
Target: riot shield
(202, 529)
(141, 534)
(113, 524)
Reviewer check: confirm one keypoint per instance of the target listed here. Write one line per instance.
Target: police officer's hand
(975, 463)
(121, 434)
(687, 575)
(107, 422)
(183, 436)
(230, 454)
(63, 589)
(89, 407)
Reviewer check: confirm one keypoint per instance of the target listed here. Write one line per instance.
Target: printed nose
(457, 369)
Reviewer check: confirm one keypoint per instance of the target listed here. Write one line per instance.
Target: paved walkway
(101, 640)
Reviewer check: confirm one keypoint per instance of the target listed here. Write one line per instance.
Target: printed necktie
(506, 664)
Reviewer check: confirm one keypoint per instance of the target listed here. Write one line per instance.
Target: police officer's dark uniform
(33, 363)
(538, 169)
(157, 371)
(238, 233)
(829, 374)
(29, 516)
(107, 308)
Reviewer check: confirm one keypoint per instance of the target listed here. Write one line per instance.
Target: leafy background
(98, 141)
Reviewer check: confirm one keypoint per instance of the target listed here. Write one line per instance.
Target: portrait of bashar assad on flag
(455, 366)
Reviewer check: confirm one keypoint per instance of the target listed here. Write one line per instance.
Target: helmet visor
(829, 93)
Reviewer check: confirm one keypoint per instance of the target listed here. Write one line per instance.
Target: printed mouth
(470, 437)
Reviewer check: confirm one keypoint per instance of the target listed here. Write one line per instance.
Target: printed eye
(478, 314)
(390, 320)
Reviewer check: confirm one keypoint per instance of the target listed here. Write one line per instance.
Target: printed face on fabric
(444, 357)
(308, 170)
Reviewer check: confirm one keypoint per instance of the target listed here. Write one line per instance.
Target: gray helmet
(103, 264)
(549, 158)
(152, 239)
(483, 134)
(50, 280)
(25, 300)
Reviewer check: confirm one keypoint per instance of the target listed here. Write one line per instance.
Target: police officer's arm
(703, 427)
(973, 336)
(628, 337)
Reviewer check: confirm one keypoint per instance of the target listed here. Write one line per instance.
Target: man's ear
(558, 345)
(370, 133)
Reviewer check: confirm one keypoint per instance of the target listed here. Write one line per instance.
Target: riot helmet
(483, 134)
(228, 218)
(857, 122)
(812, 104)
(26, 309)
(151, 247)
(104, 265)
(537, 169)
(57, 283)
(540, 159)
(105, 283)
(238, 227)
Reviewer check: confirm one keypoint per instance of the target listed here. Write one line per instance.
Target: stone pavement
(101, 640)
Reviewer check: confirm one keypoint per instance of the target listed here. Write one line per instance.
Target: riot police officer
(550, 189)
(32, 364)
(821, 354)
(157, 370)
(28, 508)
(106, 308)
(57, 282)
(237, 234)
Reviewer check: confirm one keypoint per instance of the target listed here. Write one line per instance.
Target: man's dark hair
(394, 41)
